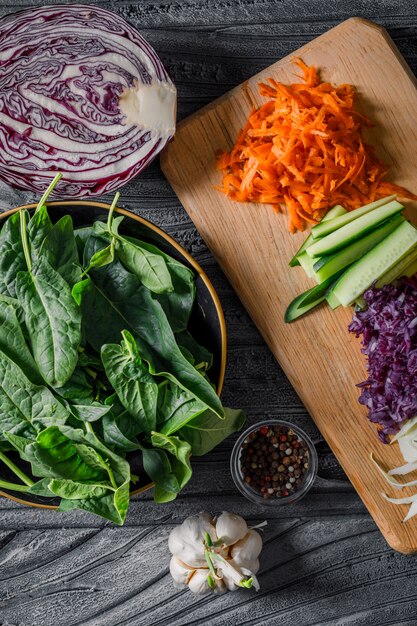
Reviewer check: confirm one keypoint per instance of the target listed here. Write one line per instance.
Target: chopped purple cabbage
(389, 338)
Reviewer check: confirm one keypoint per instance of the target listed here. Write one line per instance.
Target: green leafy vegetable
(60, 250)
(205, 432)
(98, 366)
(13, 343)
(12, 258)
(130, 377)
(150, 268)
(53, 321)
(122, 302)
(168, 464)
(25, 407)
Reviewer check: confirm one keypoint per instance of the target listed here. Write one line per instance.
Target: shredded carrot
(304, 149)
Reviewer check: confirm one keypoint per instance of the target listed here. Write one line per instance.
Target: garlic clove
(198, 582)
(187, 540)
(180, 572)
(248, 548)
(240, 564)
(220, 587)
(230, 528)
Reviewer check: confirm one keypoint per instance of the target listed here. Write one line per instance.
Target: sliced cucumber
(307, 263)
(308, 300)
(321, 230)
(406, 267)
(331, 299)
(296, 309)
(327, 266)
(362, 274)
(354, 230)
(335, 211)
(411, 269)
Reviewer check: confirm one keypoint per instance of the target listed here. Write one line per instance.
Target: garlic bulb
(210, 555)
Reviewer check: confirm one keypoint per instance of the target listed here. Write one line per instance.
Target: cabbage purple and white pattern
(62, 71)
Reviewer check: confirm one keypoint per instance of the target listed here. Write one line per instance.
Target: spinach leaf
(78, 388)
(60, 250)
(201, 357)
(206, 431)
(158, 467)
(40, 488)
(24, 406)
(176, 408)
(89, 412)
(12, 258)
(13, 343)
(180, 452)
(71, 490)
(114, 434)
(37, 229)
(168, 465)
(118, 301)
(177, 303)
(150, 268)
(101, 258)
(53, 321)
(130, 378)
(55, 455)
(112, 506)
(81, 236)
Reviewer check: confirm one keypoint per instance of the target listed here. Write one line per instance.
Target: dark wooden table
(324, 561)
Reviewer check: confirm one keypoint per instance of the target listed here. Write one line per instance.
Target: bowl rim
(196, 266)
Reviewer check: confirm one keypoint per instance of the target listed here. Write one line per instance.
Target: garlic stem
(208, 554)
(236, 576)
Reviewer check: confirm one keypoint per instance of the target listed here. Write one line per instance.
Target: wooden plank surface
(325, 562)
(253, 247)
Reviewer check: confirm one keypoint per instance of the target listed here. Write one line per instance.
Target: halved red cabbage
(389, 337)
(62, 72)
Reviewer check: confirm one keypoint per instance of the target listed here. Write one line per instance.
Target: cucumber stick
(308, 300)
(327, 266)
(406, 267)
(307, 263)
(322, 229)
(332, 301)
(356, 229)
(335, 211)
(377, 262)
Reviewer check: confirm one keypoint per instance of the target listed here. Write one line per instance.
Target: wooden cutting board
(253, 247)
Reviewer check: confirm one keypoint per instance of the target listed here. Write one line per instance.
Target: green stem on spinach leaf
(111, 476)
(91, 372)
(48, 192)
(25, 479)
(25, 242)
(13, 486)
(111, 210)
(90, 429)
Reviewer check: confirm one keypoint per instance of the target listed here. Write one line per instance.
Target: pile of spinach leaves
(97, 363)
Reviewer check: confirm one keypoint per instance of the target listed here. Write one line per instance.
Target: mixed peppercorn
(274, 461)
